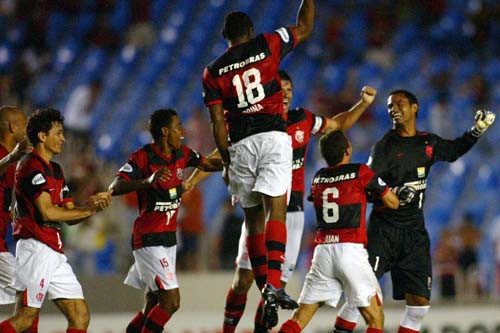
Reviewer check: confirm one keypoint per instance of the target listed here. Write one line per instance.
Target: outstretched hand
(22, 148)
(368, 94)
(99, 201)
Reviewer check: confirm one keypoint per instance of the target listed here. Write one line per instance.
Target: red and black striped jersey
(339, 194)
(33, 177)
(159, 205)
(301, 125)
(6, 186)
(245, 81)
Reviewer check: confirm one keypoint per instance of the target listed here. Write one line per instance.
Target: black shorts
(406, 253)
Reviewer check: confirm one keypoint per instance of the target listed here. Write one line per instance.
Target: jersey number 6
(330, 209)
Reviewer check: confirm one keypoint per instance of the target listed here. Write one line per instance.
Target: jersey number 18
(252, 85)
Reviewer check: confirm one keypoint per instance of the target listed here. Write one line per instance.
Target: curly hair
(160, 118)
(42, 120)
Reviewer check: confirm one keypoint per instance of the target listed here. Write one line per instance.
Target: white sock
(349, 313)
(414, 315)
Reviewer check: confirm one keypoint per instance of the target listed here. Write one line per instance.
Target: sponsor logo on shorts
(39, 297)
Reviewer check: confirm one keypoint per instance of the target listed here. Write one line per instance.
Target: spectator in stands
(446, 263)
(470, 237)
(78, 111)
(141, 33)
(191, 228)
(495, 237)
(226, 235)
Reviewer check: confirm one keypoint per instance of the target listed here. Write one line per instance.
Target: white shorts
(153, 269)
(7, 264)
(42, 271)
(294, 230)
(260, 164)
(336, 268)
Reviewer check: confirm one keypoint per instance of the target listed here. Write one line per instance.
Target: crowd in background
(209, 241)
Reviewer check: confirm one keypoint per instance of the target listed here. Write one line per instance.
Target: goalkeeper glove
(483, 120)
(405, 194)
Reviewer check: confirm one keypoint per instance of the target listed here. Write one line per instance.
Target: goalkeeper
(397, 239)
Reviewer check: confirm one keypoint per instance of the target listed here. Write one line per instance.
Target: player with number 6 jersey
(340, 262)
(242, 91)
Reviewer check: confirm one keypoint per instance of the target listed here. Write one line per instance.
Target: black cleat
(270, 293)
(269, 315)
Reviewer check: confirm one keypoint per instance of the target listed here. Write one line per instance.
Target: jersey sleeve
(194, 158)
(211, 92)
(451, 150)
(283, 40)
(372, 183)
(66, 194)
(33, 181)
(133, 169)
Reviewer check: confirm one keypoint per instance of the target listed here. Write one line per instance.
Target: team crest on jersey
(180, 173)
(428, 151)
(299, 136)
(421, 172)
(38, 179)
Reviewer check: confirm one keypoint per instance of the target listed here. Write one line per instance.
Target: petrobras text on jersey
(418, 185)
(338, 178)
(241, 64)
(166, 206)
(298, 163)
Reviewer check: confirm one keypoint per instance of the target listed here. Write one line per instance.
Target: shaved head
(10, 113)
(12, 122)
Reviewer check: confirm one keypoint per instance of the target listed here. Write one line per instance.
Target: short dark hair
(42, 120)
(333, 145)
(159, 119)
(284, 76)
(411, 97)
(236, 24)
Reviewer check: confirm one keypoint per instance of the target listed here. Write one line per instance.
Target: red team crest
(428, 151)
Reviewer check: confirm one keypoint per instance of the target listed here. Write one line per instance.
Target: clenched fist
(368, 94)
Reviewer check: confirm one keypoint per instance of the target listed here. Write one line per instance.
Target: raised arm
(345, 120)
(451, 150)
(305, 20)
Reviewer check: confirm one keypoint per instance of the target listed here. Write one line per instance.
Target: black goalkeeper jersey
(407, 161)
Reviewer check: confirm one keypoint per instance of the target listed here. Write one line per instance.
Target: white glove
(484, 119)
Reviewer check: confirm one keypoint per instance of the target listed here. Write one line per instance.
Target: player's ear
(414, 108)
(164, 131)
(42, 136)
